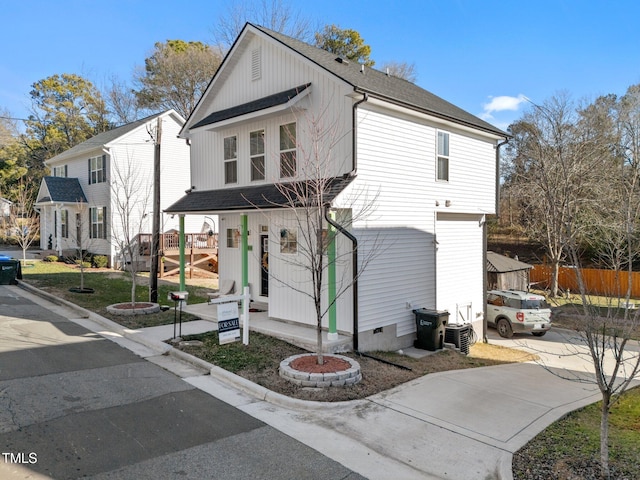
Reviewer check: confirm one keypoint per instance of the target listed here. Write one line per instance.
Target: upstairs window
(98, 169)
(60, 171)
(288, 150)
(256, 152)
(231, 159)
(443, 156)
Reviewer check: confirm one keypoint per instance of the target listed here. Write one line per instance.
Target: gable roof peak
(379, 84)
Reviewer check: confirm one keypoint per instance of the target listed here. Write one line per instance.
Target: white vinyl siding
(281, 70)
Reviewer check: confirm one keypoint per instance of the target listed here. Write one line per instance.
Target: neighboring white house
(78, 203)
(5, 208)
(425, 168)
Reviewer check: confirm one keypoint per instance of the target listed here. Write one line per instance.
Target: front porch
(303, 336)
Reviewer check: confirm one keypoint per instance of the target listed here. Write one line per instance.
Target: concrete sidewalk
(455, 425)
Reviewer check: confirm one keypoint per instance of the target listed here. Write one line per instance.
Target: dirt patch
(260, 360)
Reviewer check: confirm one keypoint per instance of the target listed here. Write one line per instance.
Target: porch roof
(254, 106)
(62, 190)
(267, 196)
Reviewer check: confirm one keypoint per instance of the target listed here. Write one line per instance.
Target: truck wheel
(504, 328)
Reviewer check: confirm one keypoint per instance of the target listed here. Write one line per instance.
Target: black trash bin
(430, 326)
(9, 270)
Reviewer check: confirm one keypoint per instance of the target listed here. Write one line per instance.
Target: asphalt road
(74, 404)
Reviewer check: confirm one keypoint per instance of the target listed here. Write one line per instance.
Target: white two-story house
(78, 203)
(410, 179)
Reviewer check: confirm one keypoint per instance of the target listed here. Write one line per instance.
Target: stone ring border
(342, 378)
(151, 308)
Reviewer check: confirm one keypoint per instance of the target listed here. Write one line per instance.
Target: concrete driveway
(452, 425)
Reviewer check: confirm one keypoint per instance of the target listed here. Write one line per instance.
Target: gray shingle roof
(104, 138)
(501, 264)
(384, 86)
(265, 196)
(254, 106)
(62, 189)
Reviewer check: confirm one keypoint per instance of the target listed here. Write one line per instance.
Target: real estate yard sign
(228, 323)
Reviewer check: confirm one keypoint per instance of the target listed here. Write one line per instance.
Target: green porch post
(245, 250)
(181, 243)
(331, 260)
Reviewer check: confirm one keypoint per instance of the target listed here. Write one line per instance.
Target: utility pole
(155, 241)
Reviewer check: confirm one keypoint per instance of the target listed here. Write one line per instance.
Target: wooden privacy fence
(597, 282)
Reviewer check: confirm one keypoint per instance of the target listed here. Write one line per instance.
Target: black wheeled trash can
(430, 326)
(10, 269)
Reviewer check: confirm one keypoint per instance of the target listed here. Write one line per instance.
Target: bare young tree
(131, 191)
(610, 226)
(307, 210)
(82, 239)
(555, 166)
(23, 219)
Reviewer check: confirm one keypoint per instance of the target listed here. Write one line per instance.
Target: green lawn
(109, 287)
(570, 448)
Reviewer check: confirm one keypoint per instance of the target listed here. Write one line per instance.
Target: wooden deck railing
(170, 242)
(201, 252)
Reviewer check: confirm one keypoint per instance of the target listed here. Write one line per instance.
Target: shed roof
(501, 263)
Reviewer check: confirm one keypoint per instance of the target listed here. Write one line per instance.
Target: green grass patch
(574, 442)
(109, 287)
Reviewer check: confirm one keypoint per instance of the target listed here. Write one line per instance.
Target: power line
(14, 118)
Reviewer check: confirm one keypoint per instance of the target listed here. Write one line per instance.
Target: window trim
(60, 171)
(256, 174)
(289, 241)
(230, 162)
(233, 238)
(442, 158)
(97, 227)
(287, 171)
(64, 223)
(98, 174)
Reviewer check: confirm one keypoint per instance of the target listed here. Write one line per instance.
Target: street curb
(231, 379)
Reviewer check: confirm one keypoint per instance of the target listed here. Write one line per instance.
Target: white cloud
(500, 104)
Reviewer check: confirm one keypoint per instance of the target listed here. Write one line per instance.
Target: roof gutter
(340, 228)
(354, 260)
(354, 131)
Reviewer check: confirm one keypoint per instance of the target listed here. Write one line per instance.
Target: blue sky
(488, 57)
